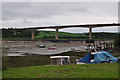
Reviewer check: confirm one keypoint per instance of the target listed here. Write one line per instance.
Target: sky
(33, 14)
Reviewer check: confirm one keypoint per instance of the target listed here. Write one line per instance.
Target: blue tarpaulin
(86, 59)
(99, 57)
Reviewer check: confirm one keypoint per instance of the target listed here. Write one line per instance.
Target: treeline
(16, 34)
(105, 36)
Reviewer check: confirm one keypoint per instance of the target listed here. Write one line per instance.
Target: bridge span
(90, 26)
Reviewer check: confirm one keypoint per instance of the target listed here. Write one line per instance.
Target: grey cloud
(18, 10)
(37, 10)
(55, 13)
(26, 21)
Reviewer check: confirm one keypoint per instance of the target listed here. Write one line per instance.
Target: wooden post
(61, 61)
(69, 60)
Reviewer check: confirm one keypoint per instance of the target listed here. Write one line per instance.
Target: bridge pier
(33, 34)
(56, 36)
(14, 32)
(90, 33)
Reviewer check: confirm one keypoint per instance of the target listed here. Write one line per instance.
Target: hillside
(62, 35)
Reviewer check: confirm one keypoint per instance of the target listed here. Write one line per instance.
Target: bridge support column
(14, 32)
(90, 33)
(33, 35)
(56, 36)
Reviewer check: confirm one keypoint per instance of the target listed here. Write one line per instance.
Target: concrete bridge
(90, 26)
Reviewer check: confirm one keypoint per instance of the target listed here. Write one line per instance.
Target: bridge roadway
(90, 26)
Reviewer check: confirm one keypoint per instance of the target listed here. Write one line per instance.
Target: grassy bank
(104, 70)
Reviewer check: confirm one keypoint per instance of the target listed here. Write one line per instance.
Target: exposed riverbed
(22, 48)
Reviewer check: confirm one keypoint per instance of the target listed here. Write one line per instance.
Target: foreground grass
(106, 70)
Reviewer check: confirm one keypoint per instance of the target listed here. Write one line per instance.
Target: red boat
(51, 48)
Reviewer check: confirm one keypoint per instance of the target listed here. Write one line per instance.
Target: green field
(103, 70)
